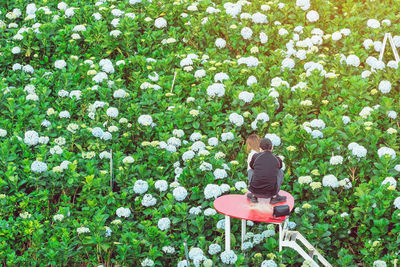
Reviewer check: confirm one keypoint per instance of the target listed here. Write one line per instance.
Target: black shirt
(266, 166)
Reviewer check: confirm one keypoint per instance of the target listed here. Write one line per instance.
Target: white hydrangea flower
(214, 249)
(31, 138)
(305, 179)
(379, 263)
(390, 180)
(128, 160)
(164, 224)
(227, 136)
(216, 90)
(147, 262)
(38, 166)
(268, 263)
(82, 230)
(336, 160)
(188, 155)
(179, 193)
(236, 119)
(161, 185)
(246, 33)
(330, 180)
(220, 174)
(212, 191)
(60, 64)
(145, 120)
(148, 200)
(140, 187)
(312, 16)
(195, 210)
(373, 23)
(123, 212)
(220, 43)
(276, 140)
(386, 151)
(246, 96)
(160, 23)
(392, 114)
(228, 257)
(396, 203)
(385, 86)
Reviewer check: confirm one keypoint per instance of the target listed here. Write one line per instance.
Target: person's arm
(280, 162)
(253, 159)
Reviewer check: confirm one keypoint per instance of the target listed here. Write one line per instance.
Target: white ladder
(289, 238)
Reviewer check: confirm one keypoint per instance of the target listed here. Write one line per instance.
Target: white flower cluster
(396, 203)
(365, 112)
(216, 90)
(161, 185)
(228, 257)
(148, 200)
(160, 23)
(245, 96)
(58, 217)
(389, 180)
(227, 136)
(82, 230)
(221, 76)
(164, 224)
(276, 140)
(146, 120)
(147, 263)
(246, 33)
(38, 166)
(330, 180)
(168, 249)
(357, 150)
(205, 166)
(140, 187)
(305, 179)
(179, 193)
(220, 174)
(249, 61)
(31, 138)
(336, 160)
(212, 191)
(386, 151)
(236, 119)
(123, 212)
(233, 9)
(268, 263)
(385, 86)
(214, 249)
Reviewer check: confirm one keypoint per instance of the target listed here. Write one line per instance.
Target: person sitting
(252, 147)
(265, 182)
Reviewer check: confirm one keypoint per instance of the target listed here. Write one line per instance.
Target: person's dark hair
(265, 144)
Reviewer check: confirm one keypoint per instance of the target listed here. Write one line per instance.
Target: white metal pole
(173, 82)
(227, 233)
(383, 47)
(394, 49)
(280, 237)
(243, 231)
(111, 167)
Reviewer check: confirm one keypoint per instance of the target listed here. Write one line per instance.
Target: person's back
(267, 178)
(266, 167)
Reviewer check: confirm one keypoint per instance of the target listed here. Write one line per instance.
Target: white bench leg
(227, 233)
(243, 231)
(280, 237)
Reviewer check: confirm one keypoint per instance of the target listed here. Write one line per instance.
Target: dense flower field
(170, 91)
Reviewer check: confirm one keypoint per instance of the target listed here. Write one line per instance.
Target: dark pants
(250, 174)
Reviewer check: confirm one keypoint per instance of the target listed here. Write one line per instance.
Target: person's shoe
(278, 199)
(252, 198)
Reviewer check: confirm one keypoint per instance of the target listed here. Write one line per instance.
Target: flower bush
(122, 121)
